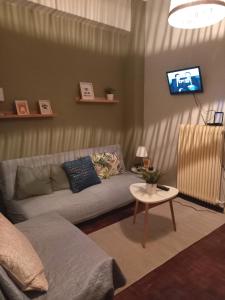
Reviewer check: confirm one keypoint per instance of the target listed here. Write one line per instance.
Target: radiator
(200, 151)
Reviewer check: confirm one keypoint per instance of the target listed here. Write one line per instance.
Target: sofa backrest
(8, 168)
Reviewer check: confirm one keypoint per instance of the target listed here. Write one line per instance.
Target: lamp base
(146, 163)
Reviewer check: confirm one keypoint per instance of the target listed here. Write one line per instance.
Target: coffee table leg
(135, 211)
(146, 224)
(172, 214)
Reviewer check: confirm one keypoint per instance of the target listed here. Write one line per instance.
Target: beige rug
(122, 240)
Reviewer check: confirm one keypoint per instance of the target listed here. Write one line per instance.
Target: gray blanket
(76, 268)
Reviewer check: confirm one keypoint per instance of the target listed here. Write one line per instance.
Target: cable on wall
(199, 107)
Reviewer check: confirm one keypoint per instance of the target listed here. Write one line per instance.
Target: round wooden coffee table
(138, 191)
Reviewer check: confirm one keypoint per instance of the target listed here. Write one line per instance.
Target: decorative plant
(151, 176)
(109, 90)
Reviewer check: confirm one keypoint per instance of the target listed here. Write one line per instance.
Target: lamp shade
(141, 152)
(187, 14)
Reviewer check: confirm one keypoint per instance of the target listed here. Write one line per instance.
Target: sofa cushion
(59, 179)
(19, 258)
(32, 181)
(89, 203)
(81, 173)
(106, 164)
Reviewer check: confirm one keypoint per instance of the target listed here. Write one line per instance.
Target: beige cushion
(107, 164)
(19, 258)
(32, 181)
(59, 178)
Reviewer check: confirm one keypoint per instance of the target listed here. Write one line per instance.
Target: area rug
(122, 240)
(196, 273)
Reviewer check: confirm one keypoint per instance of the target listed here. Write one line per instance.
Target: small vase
(151, 188)
(110, 97)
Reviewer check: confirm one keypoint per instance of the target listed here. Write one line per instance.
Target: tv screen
(185, 81)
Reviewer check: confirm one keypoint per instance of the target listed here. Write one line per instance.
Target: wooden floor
(197, 273)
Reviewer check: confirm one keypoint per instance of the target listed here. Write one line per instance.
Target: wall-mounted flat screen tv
(185, 81)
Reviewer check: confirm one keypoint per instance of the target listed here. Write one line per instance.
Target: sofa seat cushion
(76, 268)
(89, 203)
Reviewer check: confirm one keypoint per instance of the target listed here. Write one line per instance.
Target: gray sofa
(76, 268)
(110, 194)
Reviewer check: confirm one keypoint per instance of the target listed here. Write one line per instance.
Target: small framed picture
(45, 107)
(87, 91)
(22, 108)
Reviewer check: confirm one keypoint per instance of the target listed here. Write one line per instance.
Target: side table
(138, 191)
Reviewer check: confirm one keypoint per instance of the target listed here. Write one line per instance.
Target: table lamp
(142, 152)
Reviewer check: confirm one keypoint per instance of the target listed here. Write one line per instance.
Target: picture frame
(2, 98)
(45, 107)
(218, 118)
(87, 91)
(22, 108)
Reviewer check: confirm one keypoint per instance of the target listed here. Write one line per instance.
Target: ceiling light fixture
(187, 14)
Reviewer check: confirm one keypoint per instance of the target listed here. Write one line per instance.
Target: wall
(167, 49)
(114, 13)
(44, 54)
(134, 105)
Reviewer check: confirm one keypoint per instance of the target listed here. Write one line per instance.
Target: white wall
(114, 13)
(168, 49)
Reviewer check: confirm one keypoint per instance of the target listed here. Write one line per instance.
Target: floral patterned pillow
(106, 164)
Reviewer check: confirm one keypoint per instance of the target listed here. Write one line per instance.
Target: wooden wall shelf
(10, 115)
(97, 100)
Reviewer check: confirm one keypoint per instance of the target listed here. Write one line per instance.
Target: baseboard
(202, 203)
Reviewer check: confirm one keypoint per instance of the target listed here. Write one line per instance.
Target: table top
(138, 190)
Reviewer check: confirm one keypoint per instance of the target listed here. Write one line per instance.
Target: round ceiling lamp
(187, 14)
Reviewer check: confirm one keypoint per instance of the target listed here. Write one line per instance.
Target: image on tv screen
(185, 81)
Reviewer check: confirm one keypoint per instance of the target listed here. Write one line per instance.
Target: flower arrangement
(151, 176)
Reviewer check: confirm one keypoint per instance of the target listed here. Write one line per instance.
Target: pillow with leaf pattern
(107, 164)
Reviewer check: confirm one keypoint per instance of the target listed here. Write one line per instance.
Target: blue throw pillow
(81, 173)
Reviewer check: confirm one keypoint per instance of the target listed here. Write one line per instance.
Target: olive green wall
(134, 99)
(44, 54)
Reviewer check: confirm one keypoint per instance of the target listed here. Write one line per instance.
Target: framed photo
(218, 118)
(45, 107)
(2, 98)
(22, 108)
(87, 91)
